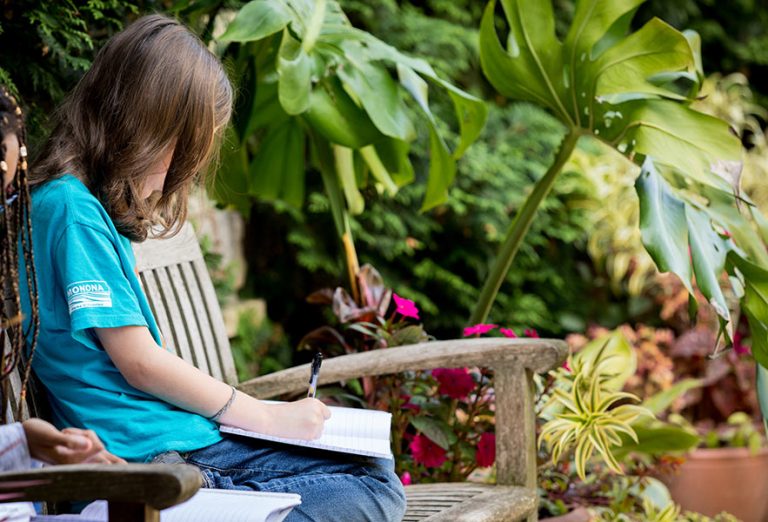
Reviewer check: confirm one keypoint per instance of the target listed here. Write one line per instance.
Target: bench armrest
(537, 355)
(156, 485)
(514, 362)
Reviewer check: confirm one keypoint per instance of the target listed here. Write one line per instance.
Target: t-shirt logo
(88, 294)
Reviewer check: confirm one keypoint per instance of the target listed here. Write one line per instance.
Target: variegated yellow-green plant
(590, 420)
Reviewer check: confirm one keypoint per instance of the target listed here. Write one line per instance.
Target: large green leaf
(674, 135)
(375, 89)
(623, 72)
(337, 118)
(514, 73)
(294, 69)
(256, 20)
(277, 170)
(708, 251)
(439, 432)
(656, 440)
(755, 305)
(662, 224)
(662, 400)
(591, 22)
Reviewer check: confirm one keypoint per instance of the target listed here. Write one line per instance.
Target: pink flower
(405, 478)
(739, 347)
(530, 332)
(479, 329)
(567, 367)
(508, 332)
(486, 450)
(426, 452)
(456, 383)
(405, 307)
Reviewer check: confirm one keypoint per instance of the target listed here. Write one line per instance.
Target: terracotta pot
(724, 479)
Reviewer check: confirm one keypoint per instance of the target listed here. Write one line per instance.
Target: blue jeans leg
(333, 486)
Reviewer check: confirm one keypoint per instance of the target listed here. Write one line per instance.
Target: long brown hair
(15, 233)
(152, 85)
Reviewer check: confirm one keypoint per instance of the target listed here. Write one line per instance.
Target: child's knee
(388, 496)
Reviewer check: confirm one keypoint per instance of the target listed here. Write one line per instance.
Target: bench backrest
(183, 300)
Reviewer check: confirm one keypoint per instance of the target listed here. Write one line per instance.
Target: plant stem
(328, 169)
(519, 228)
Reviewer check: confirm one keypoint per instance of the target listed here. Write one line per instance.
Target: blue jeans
(333, 486)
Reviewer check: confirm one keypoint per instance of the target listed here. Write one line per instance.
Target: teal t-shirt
(86, 279)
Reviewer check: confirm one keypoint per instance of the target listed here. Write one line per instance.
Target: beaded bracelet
(223, 410)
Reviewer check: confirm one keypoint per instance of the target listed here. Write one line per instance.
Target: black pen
(316, 362)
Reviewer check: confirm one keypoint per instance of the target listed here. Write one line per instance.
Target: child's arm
(158, 372)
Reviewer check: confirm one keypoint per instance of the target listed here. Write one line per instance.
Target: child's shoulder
(66, 200)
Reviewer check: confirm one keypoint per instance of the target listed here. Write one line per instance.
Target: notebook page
(218, 505)
(349, 430)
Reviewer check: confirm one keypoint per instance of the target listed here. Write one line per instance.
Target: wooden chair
(134, 492)
(182, 297)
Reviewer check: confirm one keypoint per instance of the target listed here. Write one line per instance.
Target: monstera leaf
(632, 91)
(310, 77)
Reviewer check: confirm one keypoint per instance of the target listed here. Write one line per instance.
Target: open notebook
(208, 505)
(349, 430)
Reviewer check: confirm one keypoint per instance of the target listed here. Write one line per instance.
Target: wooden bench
(134, 492)
(182, 297)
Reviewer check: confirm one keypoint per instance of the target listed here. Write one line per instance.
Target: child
(33, 438)
(128, 144)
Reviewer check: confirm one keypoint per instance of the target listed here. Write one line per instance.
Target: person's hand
(302, 419)
(68, 446)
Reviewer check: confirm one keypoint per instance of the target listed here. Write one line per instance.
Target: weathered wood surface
(468, 502)
(156, 485)
(158, 253)
(538, 355)
(183, 300)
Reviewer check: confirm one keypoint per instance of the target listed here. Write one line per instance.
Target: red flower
(405, 307)
(486, 450)
(426, 452)
(567, 367)
(508, 332)
(530, 332)
(405, 478)
(456, 383)
(478, 329)
(408, 405)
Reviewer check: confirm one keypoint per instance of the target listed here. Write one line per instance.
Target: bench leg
(132, 512)
(515, 428)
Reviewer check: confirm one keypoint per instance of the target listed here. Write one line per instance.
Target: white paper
(16, 511)
(349, 430)
(208, 505)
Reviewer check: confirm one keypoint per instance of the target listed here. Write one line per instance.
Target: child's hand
(302, 419)
(69, 446)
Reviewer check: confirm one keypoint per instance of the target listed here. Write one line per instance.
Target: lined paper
(349, 430)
